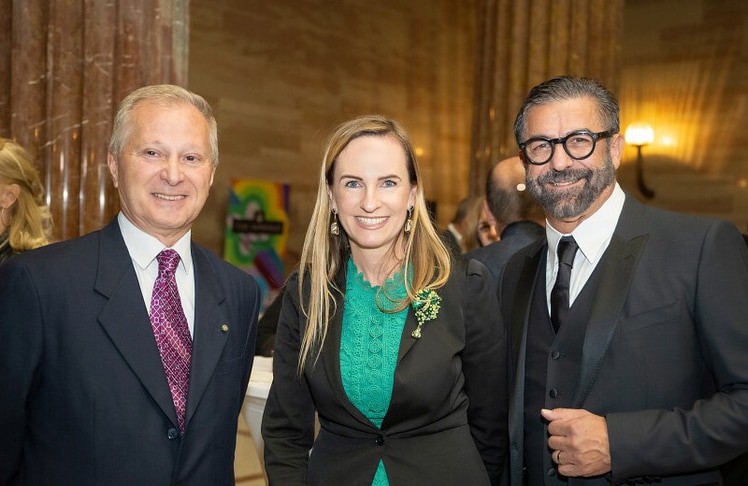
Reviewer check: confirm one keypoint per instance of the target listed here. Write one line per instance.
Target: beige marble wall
(684, 71)
(66, 66)
(281, 74)
(523, 43)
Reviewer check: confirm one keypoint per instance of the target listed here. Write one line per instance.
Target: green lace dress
(369, 346)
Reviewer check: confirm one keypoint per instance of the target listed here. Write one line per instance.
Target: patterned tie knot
(168, 260)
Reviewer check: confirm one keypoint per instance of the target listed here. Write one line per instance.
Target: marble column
(524, 42)
(65, 66)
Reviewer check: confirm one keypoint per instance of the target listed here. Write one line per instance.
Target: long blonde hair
(324, 254)
(30, 222)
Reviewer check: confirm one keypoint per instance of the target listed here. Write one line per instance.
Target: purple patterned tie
(171, 331)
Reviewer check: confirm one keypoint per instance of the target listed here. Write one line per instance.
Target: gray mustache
(568, 175)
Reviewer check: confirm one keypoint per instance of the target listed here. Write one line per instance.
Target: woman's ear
(412, 197)
(331, 200)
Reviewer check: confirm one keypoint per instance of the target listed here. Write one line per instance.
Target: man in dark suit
(456, 234)
(117, 369)
(516, 212)
(630, 366)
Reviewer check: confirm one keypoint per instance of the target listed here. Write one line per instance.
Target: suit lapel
(125, 318)
(522, 295)
(617, 268)
(209, 334)
(407, 340)
(531, 270)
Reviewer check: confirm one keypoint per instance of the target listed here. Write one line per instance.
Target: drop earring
(334, 228)
(409, 221)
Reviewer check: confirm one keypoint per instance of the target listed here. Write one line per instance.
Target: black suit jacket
(665, 354)
(514, 237)
(85, 399)
(446, 423)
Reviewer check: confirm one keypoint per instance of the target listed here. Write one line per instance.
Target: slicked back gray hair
(564, 88)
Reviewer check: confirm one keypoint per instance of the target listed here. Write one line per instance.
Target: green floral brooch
(427, 307)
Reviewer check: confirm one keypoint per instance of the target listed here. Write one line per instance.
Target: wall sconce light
(640, 134)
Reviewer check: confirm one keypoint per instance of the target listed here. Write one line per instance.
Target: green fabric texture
(369, 347)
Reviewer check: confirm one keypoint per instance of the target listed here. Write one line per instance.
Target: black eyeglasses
(579, 145)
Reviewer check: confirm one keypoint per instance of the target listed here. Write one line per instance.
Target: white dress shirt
(593, 236)
(144, 249)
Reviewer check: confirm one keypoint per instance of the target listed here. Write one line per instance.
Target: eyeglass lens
(577, 145)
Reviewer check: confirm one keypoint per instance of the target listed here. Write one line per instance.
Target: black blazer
(665, 354)
(446, 423)
(85, 399)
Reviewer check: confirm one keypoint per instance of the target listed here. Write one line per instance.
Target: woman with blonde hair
(25, 220)
(397, 348)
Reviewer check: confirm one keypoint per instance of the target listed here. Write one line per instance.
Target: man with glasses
(628, 324)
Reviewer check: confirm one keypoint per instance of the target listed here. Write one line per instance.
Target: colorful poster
(257, 232)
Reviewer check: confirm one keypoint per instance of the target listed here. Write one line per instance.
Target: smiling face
(164, 172)
(571, 190)
(371, 192)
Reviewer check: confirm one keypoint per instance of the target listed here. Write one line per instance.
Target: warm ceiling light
(639, 134)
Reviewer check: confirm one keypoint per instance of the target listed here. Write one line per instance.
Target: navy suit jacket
(85, 399)
(665, 353)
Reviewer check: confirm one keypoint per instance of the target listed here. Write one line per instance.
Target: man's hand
(579, 441)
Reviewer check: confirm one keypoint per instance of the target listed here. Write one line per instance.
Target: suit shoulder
(474, 266)
(227, 269)
(469, 275)
(58, 254)
(683, 228)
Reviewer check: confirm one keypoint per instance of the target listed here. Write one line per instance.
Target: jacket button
(550, 472)
(172, 433)
(555, 355)
(380, 441)
(553, 393)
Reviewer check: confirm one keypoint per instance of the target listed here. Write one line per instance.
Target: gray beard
(573, 202)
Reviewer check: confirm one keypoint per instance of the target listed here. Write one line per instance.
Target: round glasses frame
(563, 141)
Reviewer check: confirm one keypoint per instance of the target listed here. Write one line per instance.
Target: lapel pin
(225, 328)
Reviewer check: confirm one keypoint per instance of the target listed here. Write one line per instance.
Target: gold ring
(558, 457)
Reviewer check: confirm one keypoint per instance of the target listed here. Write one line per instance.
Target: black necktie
(567, 248)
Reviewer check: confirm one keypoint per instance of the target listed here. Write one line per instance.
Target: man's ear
(617, 144)
(112, 164)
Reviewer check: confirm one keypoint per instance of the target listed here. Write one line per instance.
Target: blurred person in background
(459, 235)
(25, 220)
(517, 216)
(486, 232)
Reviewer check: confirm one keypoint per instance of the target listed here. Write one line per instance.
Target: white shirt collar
(452, 229)
(593, 234)
(144, 248)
